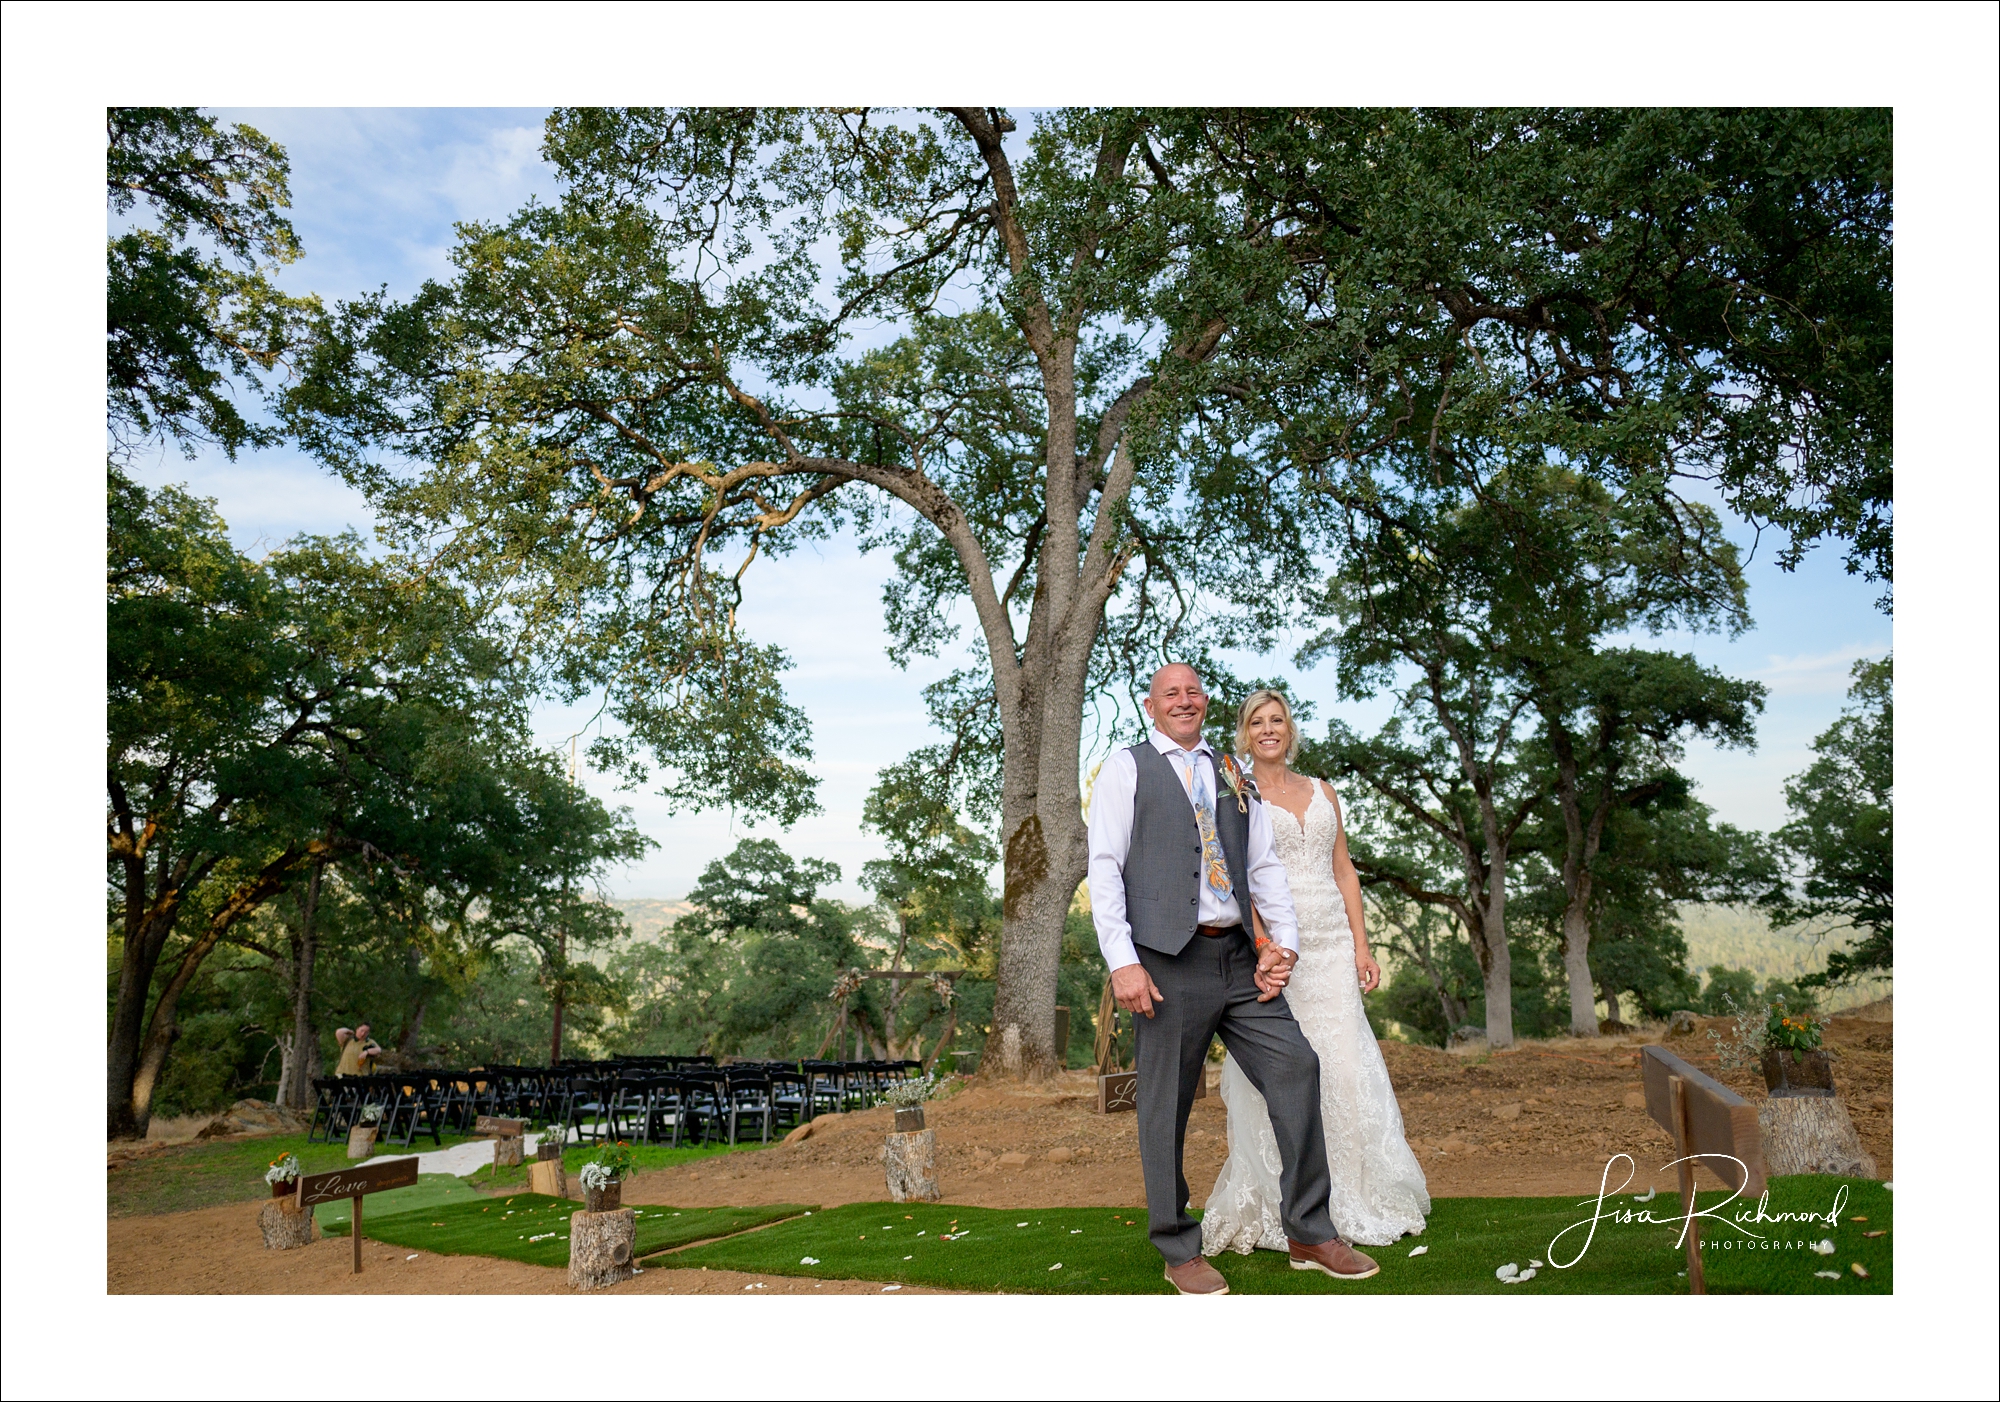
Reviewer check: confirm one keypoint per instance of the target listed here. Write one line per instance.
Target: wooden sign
(351, 1183)
(503, 1129)
(1719, 1120)
(1117, 1091)
(1705, 1118)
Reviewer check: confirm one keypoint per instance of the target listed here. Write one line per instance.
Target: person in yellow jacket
(350, 1052)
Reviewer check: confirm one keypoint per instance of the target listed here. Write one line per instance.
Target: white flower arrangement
(371, 1115)
(907, 1095)
(284, 1170)
(598, 1176)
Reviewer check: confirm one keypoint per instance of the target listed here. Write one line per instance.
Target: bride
(1378, 1189)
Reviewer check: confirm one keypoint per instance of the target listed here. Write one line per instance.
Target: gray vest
(1163, 867)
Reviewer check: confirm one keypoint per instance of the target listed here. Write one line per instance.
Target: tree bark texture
(140, 1043)
(297, 1089)
(285, 1224)
(1811, 1134)
(911, 1161)
(600, 1247)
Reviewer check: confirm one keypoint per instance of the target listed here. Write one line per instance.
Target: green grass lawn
(189, 1176)
(645, 1157)
(1090, 1251)
(534, 1229)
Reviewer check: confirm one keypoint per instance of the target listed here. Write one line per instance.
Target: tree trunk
(145, 938)
(296, 1091)
(1811, 1134)
(136, 1061)
(562, 967)
(1498, 966)
(1576, 964)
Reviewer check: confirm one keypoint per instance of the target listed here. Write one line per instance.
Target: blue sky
(376, 193)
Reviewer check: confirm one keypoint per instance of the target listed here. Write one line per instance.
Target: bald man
(1173, 857)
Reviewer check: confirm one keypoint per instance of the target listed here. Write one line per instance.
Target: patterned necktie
(1216, 868)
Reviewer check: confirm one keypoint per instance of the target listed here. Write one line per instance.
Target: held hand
(1368, 971)
(1274, 971)
(1134, 989)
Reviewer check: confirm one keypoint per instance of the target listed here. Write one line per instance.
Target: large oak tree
(1096, 382)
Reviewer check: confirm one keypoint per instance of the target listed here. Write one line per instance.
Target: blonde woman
(1379, 1192)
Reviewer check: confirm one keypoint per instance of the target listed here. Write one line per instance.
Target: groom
(1171, 857)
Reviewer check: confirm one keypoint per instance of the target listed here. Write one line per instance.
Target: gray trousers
(1210, 992)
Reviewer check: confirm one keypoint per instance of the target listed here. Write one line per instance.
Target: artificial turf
(1094, 1251)
(430, 1190)
(534, 1229)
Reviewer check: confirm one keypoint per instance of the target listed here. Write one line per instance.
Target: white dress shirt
(1111, 801)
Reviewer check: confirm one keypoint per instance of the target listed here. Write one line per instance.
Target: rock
(1635, 1100)
(600, 1247)
(1507, 1112)
(255, 1117)
(1680, 1024)
(1061, 1155)
(1811, 1134)
(285, 1224)
(911, 1162)
(1013, 1159)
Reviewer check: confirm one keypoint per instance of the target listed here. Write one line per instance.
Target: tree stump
(507, 1151)
(360, 1141)
(285, 1224)
(600, 1247)
(912, 1163)
(1811, 1134)
(549, 1178)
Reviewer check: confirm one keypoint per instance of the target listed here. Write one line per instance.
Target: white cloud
(1815, 674)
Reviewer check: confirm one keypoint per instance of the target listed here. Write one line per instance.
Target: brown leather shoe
(1197, 1277)
(1335, 1257)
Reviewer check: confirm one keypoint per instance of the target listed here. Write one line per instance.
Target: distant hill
(650, 919)
(1740, 938)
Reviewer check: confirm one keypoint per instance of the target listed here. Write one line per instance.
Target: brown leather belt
(1216, 931)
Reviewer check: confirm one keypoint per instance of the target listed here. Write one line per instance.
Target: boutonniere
(1240, 785)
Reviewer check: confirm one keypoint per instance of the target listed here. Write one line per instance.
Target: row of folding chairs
(651, 1099)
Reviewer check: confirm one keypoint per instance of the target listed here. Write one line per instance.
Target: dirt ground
(1540, 1119)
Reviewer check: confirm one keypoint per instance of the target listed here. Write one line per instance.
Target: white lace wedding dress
(1378, 1188)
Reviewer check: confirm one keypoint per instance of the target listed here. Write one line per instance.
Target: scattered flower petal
(1418, 1251)
(909, 1258)
(410, 1257)
(1058, 1266)
(1827, 1275)
(1648, 1196)
(887, 1288)
(1534, 1265)
(1888, 1187)
(1020, 1224)
(1507, 1272)
(1883, 1232)
(1076, 1231)
(1858, 1269)
(1824, 1246)
(808, 1260)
